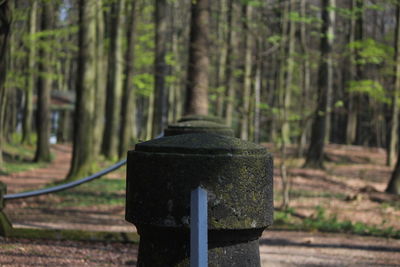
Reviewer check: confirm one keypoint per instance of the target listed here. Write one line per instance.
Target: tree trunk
(128, 111)
(315, 154)
(221, 57)
(230, 66)
(101, 78)
(44, 85)
(160, 69)
(257, 101)
(245, 114)
(395, 110)
(30, 86)
(114, 81)
(5, 25)
(287, 70)
(83, 156)
(306, 81)
(351, 107)
(197, 77)
(394, 183)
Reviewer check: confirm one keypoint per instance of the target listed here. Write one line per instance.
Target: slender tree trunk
(114, 81)
(245, 114)
(284, 25)
(30, 86)
(361, 102)
(315, 154)
(197, 79)
(257, 101)
(44, 84)
(83, 156)
(351, 106)
(288, 71)
(230, 65)
(160, 69)
(128, 111)
(393, 139)
(5, 25)
(394, 183)
(306, 81)
(149, 121)
(222, 57)
(101, 78)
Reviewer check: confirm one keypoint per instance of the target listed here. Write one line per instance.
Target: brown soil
(277, 248)
(344, 188)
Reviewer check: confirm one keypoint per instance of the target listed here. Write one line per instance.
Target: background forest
(106, 74)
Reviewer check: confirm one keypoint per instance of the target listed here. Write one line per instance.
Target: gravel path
(35, 179)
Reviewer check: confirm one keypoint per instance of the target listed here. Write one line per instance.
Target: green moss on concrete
(5, 225)
(210, 144)
(198, 126)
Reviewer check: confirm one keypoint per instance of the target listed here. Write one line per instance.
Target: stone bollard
(202, 118)
(5, 225)
(237, 175)
(197, 126)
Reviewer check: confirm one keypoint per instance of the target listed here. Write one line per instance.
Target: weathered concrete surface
(198, 126)
(202, 118)
(238, 178)
(5, 225)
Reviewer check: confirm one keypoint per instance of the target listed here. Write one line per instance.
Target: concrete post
(5, 225)
(238, 178)
(202, 118)
(197, 126)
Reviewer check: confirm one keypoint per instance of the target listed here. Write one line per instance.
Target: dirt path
(277, 249)
(35, 179)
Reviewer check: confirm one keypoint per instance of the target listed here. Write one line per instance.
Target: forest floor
(345, 197)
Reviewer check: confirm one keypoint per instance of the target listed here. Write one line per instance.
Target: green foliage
(370, 51)
(143, 80)
(321, 222)
(369, 87)
(144, 84)
(296, 17)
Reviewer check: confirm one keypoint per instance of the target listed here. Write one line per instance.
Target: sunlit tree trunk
(395, 109)
(197, 77)
(306, 82)
(394, 183)
(245, 113)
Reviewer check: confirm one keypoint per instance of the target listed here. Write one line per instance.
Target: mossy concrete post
(5, 225)
(237, 175)
(202, 118)
(197, 126)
